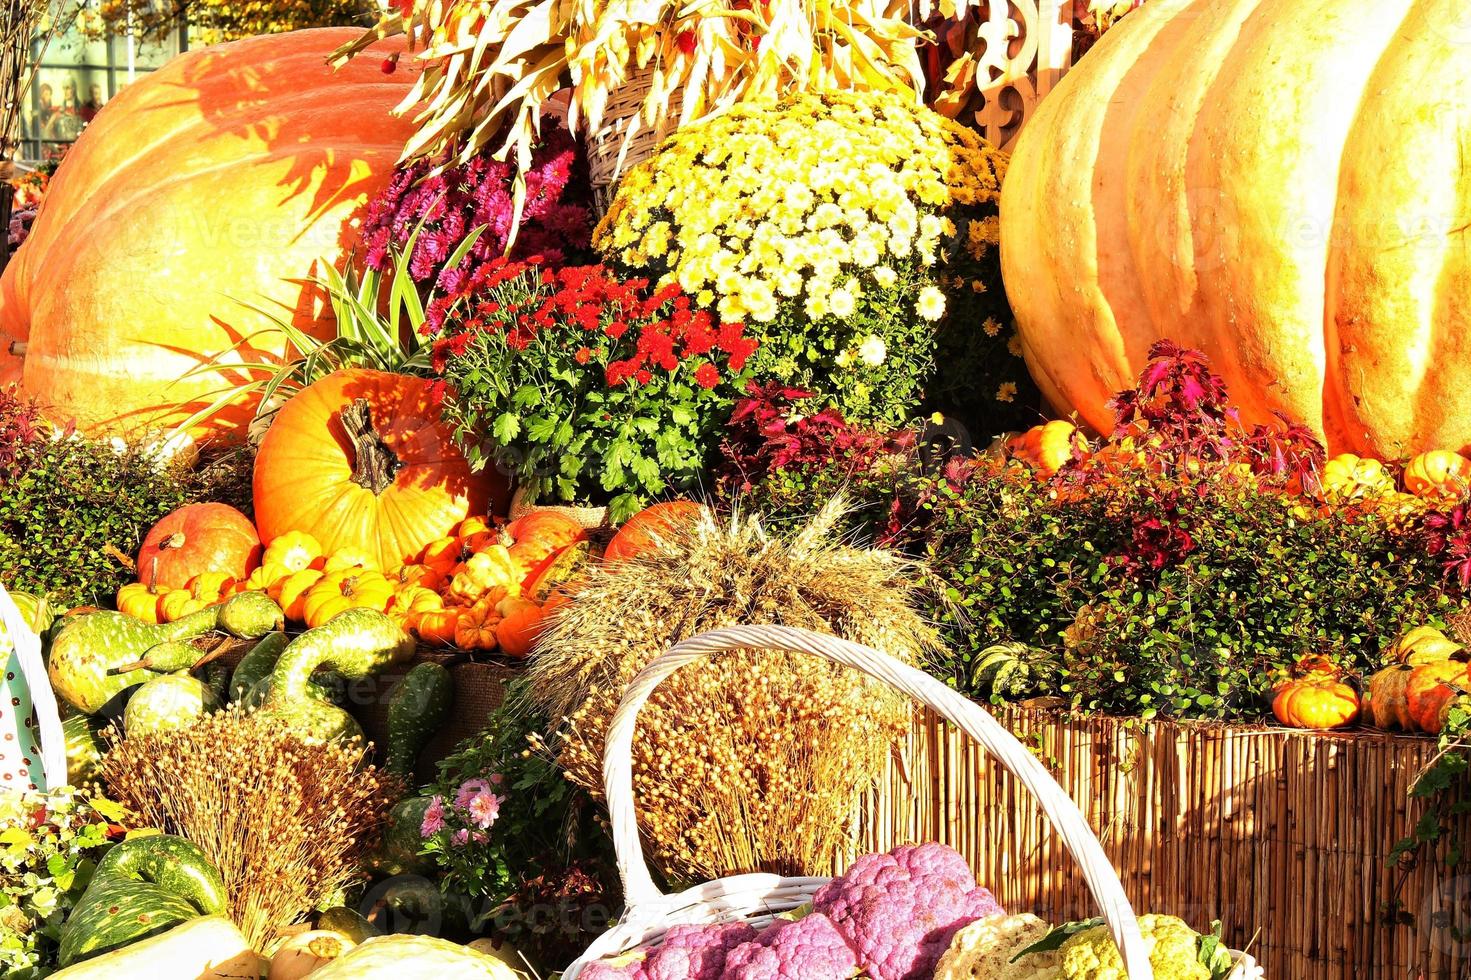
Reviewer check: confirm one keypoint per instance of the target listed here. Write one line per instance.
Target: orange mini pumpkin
(1318, 701)
(437, 626)
(210, 587)
(519, 626)
(1049, 447)
(340, 591)
(483, 571)
(291, 591)
(141, 601)
(361, 460)
(294, 551)
(410, 602)
(476, 629)
(1439, 475)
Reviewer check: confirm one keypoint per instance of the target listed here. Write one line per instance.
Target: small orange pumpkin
(442, 554)
(264, 578)
(1049, 447)
(356, 588)
(1438, 475)
(531, 538)
(519, 626)
(290, 592)
(177, 604)
(438, 626)
(1427, 690)
(141, 601)
(1318, 701)
(344, 559)
(644, 530)
(1348, 478)
(293, 552)
(423, 576)
(476, 627)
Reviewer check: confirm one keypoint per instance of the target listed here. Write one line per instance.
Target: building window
(82, 68)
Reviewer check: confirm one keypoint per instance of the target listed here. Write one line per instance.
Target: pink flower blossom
(433, 818)
(468, 790)
(484, 809)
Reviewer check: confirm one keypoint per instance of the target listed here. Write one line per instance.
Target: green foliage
(546, 850)
(49, 846)
(1251, 582)
(1442, 786)
(75, 514)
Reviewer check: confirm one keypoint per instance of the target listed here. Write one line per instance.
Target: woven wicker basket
(756, 898)
(624, 139)
(590, 518)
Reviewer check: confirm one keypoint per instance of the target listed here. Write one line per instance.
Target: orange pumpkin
(534, 536)
(198, 538)
(555, 571)
(438, 626)
(443, 554)
(1438, 475)
(519, 626)
(1304, 235)
(1427, 690)
(290, 592)
(270, 156)
(643, 530)
(360, 460)
(340, 591)
(1316, 701)
(493, 568)
(1422, 645)
(294, 551)
(177, 604)
(141, 601)
(210, 587)
(476, 627)
(1049, 447)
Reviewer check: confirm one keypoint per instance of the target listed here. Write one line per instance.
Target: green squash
(35, 610)
(166, 657)
(250, 615)
(84, 748)
(167, 703)
(257, 665)
(116, 912)
(398, 852)
(170, 862)
(355, 644)
(88, 650)
(417, 708)
(348, 924)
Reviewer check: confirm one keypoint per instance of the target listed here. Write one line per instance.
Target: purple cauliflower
(900, 910)
(689, 952)
(810, 948)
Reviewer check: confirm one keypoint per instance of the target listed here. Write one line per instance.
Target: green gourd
(89, 648)
(356, 644)
(257, 665)
(250, 615)
(348, 924)
(165, 658)
(84, 748)
(417, 708)
(398, 853)
(167, 703)
(217, 679)
(142, 886)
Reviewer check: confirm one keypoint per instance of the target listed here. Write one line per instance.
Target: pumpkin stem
(374, 466)
(175, 540)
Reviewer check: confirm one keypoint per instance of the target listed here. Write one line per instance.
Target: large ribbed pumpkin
(204, 188)
(360, 461)
(1281, 183)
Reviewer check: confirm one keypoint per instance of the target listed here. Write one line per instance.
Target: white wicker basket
(756, 898)
(624, 139)
(24, 690)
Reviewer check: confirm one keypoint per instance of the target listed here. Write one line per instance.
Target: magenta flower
(433, 818)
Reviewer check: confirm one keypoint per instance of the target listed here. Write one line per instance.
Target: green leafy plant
(587, 387)
(49, 846)
(77, 511)
(512, 836)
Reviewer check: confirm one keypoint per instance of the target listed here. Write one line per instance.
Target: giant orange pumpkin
(208, 187)
(1282, 184)
(360, 460)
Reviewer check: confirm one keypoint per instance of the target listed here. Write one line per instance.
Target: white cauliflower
(983, 951)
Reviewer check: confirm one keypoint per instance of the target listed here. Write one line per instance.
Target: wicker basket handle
(1067, 819)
